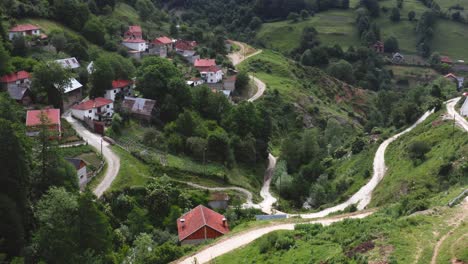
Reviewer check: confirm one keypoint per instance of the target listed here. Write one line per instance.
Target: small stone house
(218, 200)
(80, 167)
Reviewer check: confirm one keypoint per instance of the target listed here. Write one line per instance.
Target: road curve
(230, 243)
(460, 120)
(95, 140)
(238, 57)
(363, 197)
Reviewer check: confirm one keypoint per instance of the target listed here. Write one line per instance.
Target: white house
(213, 74)
(24, 30)
(90, 67)
(97, 109)
(136, 44)
(120, 86)
(464, 108)
(81, 173)
(70, 63)
(195, 82)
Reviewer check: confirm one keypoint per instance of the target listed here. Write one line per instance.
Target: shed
(140, 108)
(219, 200)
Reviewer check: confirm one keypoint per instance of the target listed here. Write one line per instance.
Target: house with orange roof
(123, 87)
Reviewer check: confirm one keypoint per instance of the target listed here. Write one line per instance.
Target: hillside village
(149, 132)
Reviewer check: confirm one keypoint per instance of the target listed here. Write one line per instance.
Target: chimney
(224, 221)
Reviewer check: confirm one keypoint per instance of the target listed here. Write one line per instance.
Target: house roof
(134, 29)
(162, 40)
(139, 105)
(134, 40)
(70, 63)
(23, 27)
(204, 62)
(94, 103)
(77, 163)
(121, 83)
(17, 92)
(446, 59)
(197, 218)
(451, 75)
(33, 117)
(185, 45)
(74, 84)
(210, 69)
(13, 77)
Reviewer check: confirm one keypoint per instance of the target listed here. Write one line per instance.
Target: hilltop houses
(25, 30)
(133, 40)
(73, 92)
(139, 108)
(187, 50)
(209, 71)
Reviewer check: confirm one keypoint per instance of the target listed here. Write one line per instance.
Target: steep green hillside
(308, 88)
(380, 238)
(334, 27)
(443, 165)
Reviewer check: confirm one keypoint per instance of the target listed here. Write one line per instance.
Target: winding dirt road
(460, 120)
(238, 57)
(95, 140)
(233, 242)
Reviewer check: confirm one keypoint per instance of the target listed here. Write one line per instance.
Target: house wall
(218, 204)
(71, 98)
(199, 236)
(92, 113)
(464, 108)
(212, 77)
(229, 85)
(11, 35)
(127, 91)
(135, 46)
(82, 176)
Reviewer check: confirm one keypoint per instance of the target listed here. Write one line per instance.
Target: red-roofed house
(211, 74)
(97, 109)
(187, 49)
(34, 119)
(161, 46)
(204, 64)
(24, 30)
(120, 86)
(134, 32)
(201, 224)
(446, 59)
(164, 41)
(14, 79)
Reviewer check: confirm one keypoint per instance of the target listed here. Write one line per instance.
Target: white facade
(464, 108)
(137, 46)
(69, 63)
(82, 176)
(36, 32)
(110, 94)
(94, 113)
(212, 77)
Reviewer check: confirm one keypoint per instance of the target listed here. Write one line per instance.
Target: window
(115, 91)
(108, 106)
(90, 111)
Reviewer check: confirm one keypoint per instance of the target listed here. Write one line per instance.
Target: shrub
(284, 243)
(418, 149)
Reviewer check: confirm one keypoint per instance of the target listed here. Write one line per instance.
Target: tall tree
(101, 78)
(49, 81)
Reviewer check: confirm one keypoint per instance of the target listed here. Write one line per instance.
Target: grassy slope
(297, 85)
(407, 240)
(402, 176)
(336, 26)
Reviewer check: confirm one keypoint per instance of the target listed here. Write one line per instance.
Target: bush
(418, 149)
(284, 243)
